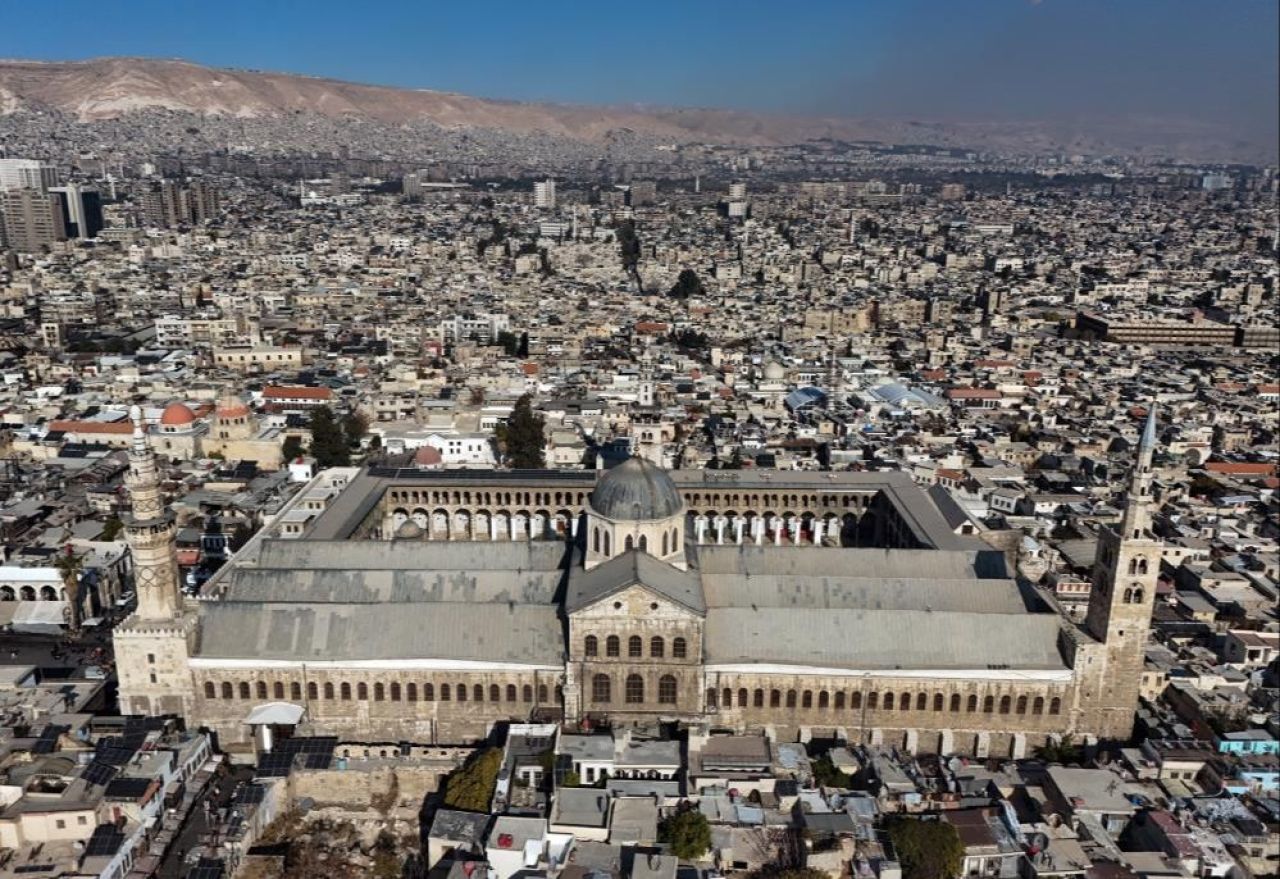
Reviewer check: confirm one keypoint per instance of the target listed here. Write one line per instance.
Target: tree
(470, 788)
(687, 284)
(521, 439)
(111, 528)
(355, 424)
(687, 832)
(292, 448)
(328, 440)
(69, 566)
(926, 849)
(827, 775)
(509, 342)
(1064, 750)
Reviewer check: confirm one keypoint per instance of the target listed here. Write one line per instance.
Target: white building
(544, 194)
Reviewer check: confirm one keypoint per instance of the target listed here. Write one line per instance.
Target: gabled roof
(634, 568)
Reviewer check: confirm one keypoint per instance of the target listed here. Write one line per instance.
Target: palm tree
(69, 566)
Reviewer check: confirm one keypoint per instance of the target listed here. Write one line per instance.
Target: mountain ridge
(111, 87)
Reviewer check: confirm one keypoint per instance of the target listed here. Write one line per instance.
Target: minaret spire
(149, 529)
(1137, 506)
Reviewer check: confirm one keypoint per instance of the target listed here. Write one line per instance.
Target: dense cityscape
(406, 500)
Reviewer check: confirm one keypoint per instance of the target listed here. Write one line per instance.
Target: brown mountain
(110, 87)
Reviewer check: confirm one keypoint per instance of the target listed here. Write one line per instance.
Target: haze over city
(832, 440)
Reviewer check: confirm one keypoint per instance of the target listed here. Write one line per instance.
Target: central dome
(636, 490)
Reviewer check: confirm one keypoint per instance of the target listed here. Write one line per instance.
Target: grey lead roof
(882, 639)
(529, 634)
(619, 572)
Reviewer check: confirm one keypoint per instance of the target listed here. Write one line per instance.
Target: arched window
(938, 702)
(791, 698)
(679, 649)
(210, 691)
(446, 692)
(328, 690)
(495, 693)
(806, 699)
(1037, 705)
(601, 690)
(526, 693)
(711, 698)
(726, 698)
(411, 692)
(628, 544)
(477, 693)
(595, 539)
(345, 691)
(277, 690)
(657, 647)
(742, 697)
(955, 703)
(989, 705)
(839, 701)
(972, 705)
(824, 699)
(855, 701)
(1128, 596)
(922, 702)
(1006, 702)
(542, 694)
(295, 691)
(667, 690)
(1021, 705)
(644, 543)
(428, 693)
(512, 694)
(635, 690)
(227, 690)
(775, 698)
(260, 689)
(612, 646)
(873, 701)
(1055, 705)
(757, 699)
(460, 692)
(1142, 565)
(362, 692)
(379, 692)
(887, 701)
(591, 646)
(395, 692)
(664, 543)
(635, 647)
(1138, 596)
(606, 544)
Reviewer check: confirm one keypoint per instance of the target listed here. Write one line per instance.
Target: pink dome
(177, 415)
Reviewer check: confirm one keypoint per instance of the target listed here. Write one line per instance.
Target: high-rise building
(737, 191)
(642, 192)
(168, 203)
(32, 219)
(544, 194)
(26, 174)
(411, 184)
(81, 210)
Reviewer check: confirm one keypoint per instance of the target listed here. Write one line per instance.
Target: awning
(275, 714)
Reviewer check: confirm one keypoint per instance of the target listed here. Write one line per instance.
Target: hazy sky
(1213, 60)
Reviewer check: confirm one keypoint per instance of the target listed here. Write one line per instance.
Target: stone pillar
(493, 528)
(511, 527)
(777, 531)
(573, 526)
(795, 530)
(758, 527)
(700, 524)
(946, 742)
(1019, 746)
(912, 743)
(720, 529)
(806, 734)
(738, 526)
(982, 748)
(817, 532)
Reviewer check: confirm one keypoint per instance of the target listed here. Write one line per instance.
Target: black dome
(636, 490)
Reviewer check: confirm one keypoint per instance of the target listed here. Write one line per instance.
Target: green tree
(111, 528)
(687, 284)
(687, 832)
(292, 447)
(470, 788)
(521, 439)
(1064, 750)
(69, 566)
(509, 341)
(926, 849)
(827, 775)
(328, 439)
(355, 424)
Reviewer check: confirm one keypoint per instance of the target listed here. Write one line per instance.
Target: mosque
(426, 606)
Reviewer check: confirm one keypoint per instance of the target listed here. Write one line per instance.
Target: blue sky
(952, 59)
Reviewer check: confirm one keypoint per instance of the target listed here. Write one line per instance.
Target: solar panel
(105, 842)
(250, 794)
(207, 868)
(99, 773)
(116, 756)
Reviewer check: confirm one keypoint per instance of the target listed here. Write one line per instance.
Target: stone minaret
(153, 646)
(1124, 587)
(149, 530)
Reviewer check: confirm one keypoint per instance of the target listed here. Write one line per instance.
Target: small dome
(408, 530)
(427, 456)
(232, 406)
(774, 371)
(177, 415)
(636, 490)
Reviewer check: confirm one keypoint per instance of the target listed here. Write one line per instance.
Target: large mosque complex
(426, 606)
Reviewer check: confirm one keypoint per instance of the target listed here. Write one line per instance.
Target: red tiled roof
(112, 427)
(1241, 468)
(973, 394)
(297, 393)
